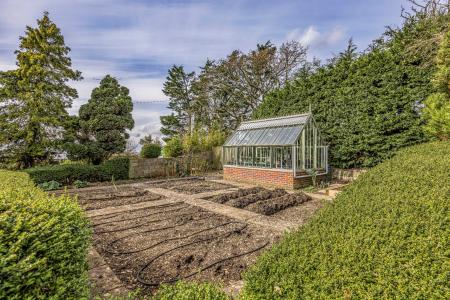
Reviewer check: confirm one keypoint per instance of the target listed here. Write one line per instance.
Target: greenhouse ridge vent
(281, 152)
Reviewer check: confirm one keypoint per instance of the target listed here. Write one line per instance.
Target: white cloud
(312, 37)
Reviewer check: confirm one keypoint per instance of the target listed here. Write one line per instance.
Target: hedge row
(190, 291)
(43, 242)
(68, 173)
(386, 236)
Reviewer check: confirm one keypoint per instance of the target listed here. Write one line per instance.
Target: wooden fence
(197, 164)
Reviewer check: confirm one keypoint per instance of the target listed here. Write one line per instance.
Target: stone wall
(347, 174)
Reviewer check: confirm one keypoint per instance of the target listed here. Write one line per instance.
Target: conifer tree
(437, 105)
(105, 119)
(34, 98)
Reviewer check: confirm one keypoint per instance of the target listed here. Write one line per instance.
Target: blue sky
(137, 41)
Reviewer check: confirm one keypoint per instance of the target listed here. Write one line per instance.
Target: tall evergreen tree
(105, 119)
(34, 98)
(437, 105)
(179, 88)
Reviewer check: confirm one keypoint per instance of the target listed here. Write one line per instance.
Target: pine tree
(105, 119)
(179, 88)
(34, 98)
(437, 106)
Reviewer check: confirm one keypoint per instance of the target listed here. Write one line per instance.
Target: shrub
(384, 237)
(68, 173)
(49, 185)
(80, 184)
(43, 242)
(195, 291)
(173, 147)
(151, 150)
(118, 167)
(64, 174)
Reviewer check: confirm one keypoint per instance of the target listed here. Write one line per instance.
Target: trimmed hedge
(43, 242)
(386, 236)
(68, 173)
(190, 291)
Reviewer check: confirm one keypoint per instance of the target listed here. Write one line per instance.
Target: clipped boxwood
(43, 242)
(386, 236)
(68, 173)
(190, 291)
(151, 150)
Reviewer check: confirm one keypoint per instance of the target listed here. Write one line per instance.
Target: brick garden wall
(263, 177)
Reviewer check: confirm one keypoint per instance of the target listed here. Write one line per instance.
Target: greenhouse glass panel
(278, 136)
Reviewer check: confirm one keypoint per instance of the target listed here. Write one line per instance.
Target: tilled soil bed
(252, 198)
(274, 205)
(260, 200)
(234, 195)
(162, 244)
(108, 196)
(190, 186)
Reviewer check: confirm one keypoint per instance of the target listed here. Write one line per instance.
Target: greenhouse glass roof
(282, 131)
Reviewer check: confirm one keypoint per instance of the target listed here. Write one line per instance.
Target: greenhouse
(291, 146)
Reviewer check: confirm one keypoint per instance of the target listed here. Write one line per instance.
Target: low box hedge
(43, 242)
(190, 291)
(386, 236)
(68, 173)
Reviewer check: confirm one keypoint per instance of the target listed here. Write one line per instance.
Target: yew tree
(105, 119)
(437, 105)
(34, 98)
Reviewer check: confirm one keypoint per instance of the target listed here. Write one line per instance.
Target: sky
(137, 41)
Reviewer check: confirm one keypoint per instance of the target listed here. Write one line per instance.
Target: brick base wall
(263, 177)
(267, 177)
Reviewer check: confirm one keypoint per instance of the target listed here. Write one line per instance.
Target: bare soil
(234, 195)
(148, 246)
(274, 205)
(255, 198)
(260, 200)
(107, 196)
(163, 244)
(300, 214)
(190, 186)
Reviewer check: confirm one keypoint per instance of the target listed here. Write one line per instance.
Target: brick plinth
(264, 177)
(267, 177)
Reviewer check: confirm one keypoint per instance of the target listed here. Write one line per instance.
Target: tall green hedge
(367, 105)
(386, 236)
(43, 242)
(68, 173)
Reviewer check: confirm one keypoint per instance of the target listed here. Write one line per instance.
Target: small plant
(313, 173)
(80, 184)
(50, 185)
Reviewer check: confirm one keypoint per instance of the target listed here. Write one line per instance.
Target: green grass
(385, 236)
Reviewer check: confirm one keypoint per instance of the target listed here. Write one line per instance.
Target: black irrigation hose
(115, 214)
(143, 224)
(167, 240)
(155, 229)
(139, 217)
(227, 234)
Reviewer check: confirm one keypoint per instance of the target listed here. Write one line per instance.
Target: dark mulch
(274, 205)
(252, 198)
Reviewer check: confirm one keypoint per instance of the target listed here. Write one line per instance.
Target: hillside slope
(385, 236)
